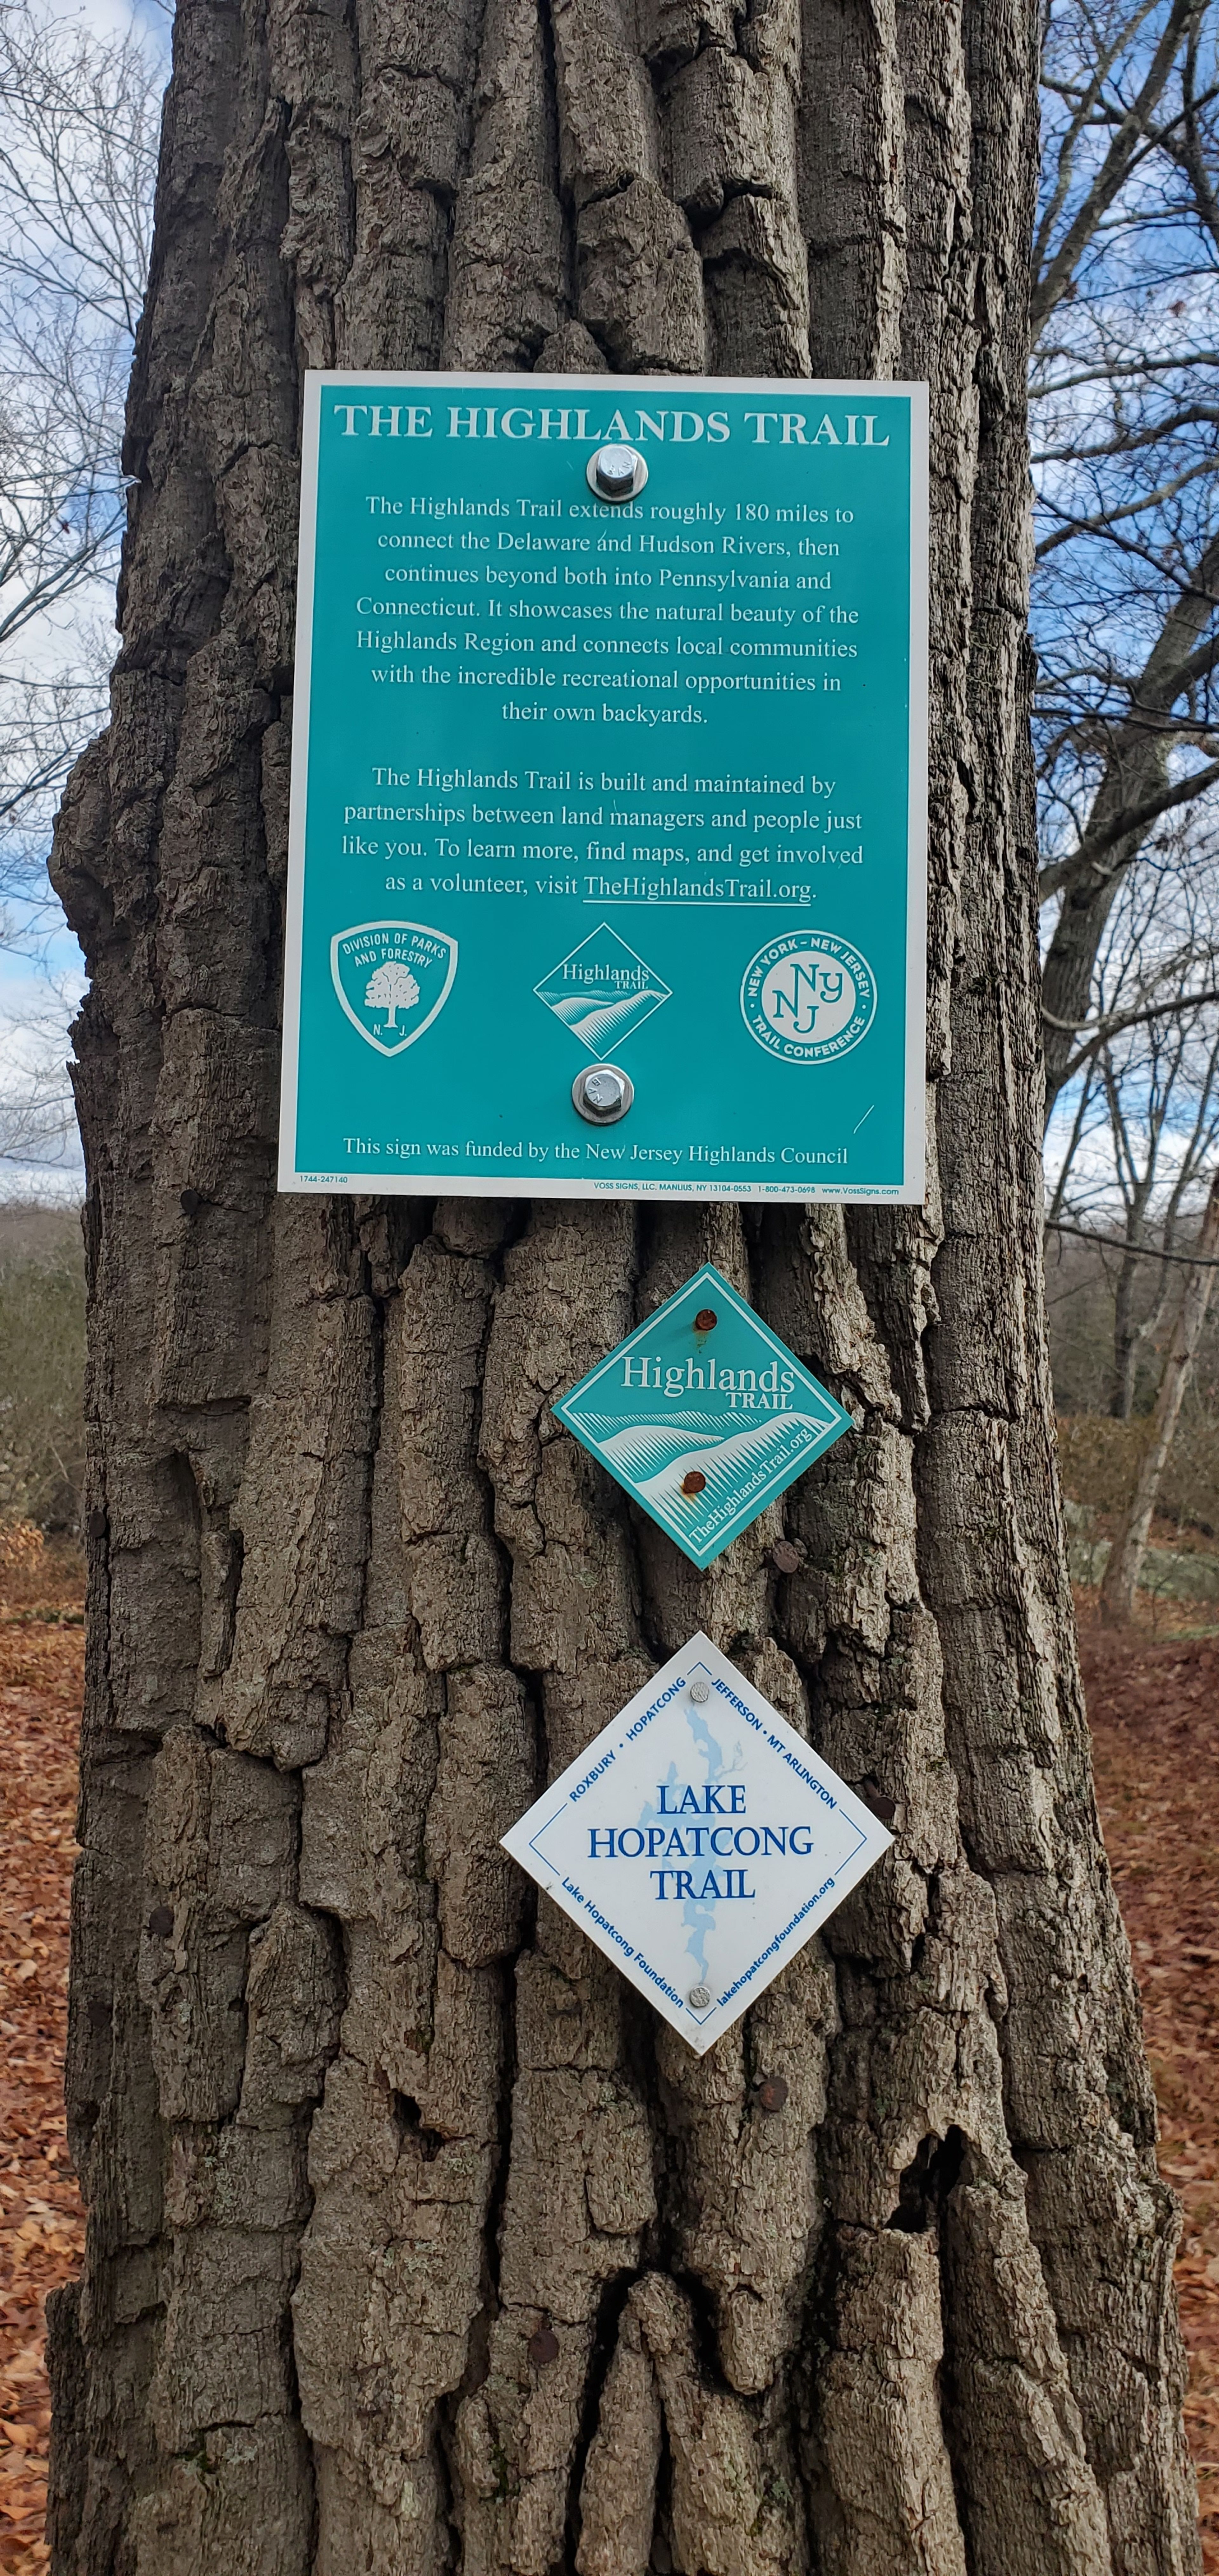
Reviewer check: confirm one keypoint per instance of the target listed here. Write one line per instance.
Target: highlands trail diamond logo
(603, 992)
(704, 1415)
(699, 1841)
(392, 979)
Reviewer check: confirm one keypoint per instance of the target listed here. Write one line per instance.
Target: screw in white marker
(699, 1997)
(616, 473)
(699, 1689)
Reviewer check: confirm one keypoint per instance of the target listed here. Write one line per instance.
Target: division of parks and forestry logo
(392, 979)
(603, 991)
(808, 998)
(703, 1415)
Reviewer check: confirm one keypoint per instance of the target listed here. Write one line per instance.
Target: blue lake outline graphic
(699, 1916)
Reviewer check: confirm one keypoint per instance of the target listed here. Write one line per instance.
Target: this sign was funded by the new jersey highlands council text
(704, 1415)
(607, 848)
(699, 1841)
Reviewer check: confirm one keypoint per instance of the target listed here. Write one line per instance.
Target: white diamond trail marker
(699, 1841)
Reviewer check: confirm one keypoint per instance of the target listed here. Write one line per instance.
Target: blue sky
(41, 968)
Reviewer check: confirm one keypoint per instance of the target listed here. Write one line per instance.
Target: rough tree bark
(415, 2240)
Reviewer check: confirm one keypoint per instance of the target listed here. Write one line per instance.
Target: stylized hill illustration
(641, 1448)
(595, 1022)
(658, 1454)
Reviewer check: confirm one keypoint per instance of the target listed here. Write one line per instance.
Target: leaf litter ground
(1154, 1710)
(1154, 1706)
(41, 2220)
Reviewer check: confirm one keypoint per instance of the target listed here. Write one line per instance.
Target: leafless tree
(1126, 407)
(1145, 1111)
(37, 1120)
(78, 120)
(1143, 1144)
(1192, 1297)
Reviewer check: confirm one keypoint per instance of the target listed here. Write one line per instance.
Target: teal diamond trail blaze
(703, 1415)
(602, 992)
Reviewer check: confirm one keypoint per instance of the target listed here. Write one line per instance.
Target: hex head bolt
(602, 1093)
(616, 473)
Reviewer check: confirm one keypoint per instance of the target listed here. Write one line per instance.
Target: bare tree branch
(1130, 823)
(1130, 1251)
(1060, 270)
(78, 123)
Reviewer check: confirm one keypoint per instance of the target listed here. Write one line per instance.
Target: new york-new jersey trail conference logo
(808, 997)
(392, 978)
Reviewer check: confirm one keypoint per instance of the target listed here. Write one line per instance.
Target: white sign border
(699, 2029)
(417, 1184)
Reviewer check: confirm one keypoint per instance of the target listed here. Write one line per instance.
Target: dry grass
(1099, 1461)
(1157, 1620)
(42, 1366)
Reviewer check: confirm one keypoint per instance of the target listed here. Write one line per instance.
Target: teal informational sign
(704, 1415)
(607, 868)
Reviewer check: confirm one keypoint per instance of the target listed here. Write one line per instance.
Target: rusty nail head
(772, 2093)
(543, 2346)
(694, 1482)
(784, 1557)
(706, 1320)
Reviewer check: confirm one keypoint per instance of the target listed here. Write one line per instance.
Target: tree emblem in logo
(391, 987)
(808, 997)
(392, 978)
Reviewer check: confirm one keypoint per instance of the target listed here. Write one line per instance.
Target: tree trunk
(1125, 1335)
(416, 2241)
(1126, 1555)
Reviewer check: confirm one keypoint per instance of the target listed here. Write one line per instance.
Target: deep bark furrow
(415, 2240)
